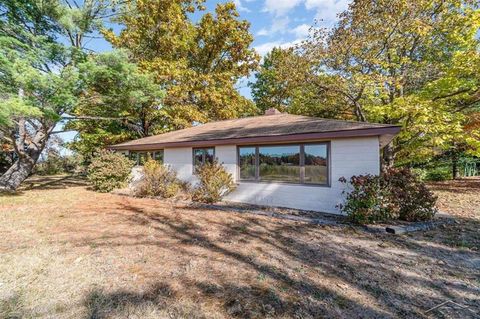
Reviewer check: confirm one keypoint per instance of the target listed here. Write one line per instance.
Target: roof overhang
(385, 134)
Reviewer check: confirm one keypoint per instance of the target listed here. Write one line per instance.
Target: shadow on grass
(53, 182)
(470, 185)
(158, 300)
(12, 307)
(364, 270)
(287, 291)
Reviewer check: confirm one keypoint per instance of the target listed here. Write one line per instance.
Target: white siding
(227, 155)
(180, 159)
(352, 156)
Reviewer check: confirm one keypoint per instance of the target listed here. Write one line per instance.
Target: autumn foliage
(214, 183)
(157, 180)
(109, 171)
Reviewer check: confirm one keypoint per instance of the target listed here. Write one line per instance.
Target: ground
(68, 252)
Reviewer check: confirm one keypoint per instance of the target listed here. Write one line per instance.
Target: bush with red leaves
(396, 194)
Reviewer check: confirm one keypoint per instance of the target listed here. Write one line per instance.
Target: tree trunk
(28, 151)
(455, 172)
(17, 173)
(388, 157)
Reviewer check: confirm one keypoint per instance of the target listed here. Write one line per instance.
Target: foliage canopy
(198, 63)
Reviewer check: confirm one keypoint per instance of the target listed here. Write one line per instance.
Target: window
(316, 164)
(299, 163)
(141, 157)
(246, 156)
(158, 156)
(279, 163)
(133, 156)
(203, 155)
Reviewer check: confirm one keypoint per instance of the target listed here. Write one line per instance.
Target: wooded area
(415, 64)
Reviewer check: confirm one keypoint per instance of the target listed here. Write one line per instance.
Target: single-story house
(276, 159)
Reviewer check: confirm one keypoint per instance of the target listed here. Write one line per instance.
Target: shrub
(214, 183)
(56, 164)
(366, 202)
(411, 198)
(421, 173)
(157, 180)
(108, 171)
(438, 174)
(396, 194)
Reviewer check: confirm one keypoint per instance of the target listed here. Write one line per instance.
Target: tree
(396, 62)
(197, 63)
(38, 77)
(118, 103)
(271, 88)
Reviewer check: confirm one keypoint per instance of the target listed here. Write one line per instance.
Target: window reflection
(203, 155)
(316, 164)
(158, 156)
(279, 163)
(301, 163)
(141, 157)
(198, 156)
(209, 155)
(247, 163)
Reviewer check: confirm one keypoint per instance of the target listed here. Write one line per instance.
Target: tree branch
(450, 94)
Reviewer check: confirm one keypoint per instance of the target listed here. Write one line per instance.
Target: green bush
(421, 173)
(109, 171)
(157, 180)
(439, 174)
(57, 164)
(396, 194)
(366, 202)
(214, 183)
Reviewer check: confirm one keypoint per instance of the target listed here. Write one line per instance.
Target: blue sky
(274, 23)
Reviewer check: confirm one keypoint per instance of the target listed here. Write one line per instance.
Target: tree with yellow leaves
(411, 63)
(198, 63)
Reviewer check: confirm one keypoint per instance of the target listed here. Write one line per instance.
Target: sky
(274, 23)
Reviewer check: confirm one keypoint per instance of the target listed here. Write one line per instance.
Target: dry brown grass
(67, 252)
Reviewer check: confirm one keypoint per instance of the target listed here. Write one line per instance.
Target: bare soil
(68, 252)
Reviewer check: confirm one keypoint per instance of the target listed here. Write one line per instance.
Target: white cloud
(280, 7)
(279, 25)
(327, 10)
(301, 31)
(264, 48)
(240, 6)
(262, 31)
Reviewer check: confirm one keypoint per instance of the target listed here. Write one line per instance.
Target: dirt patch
(72, 253)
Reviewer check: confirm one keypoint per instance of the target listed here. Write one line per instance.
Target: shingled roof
(278, 127)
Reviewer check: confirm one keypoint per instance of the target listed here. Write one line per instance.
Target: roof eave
(386, 134)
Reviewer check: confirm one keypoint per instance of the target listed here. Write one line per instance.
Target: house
(276, 159)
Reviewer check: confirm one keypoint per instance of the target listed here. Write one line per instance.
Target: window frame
(194, 166)
(302, 164)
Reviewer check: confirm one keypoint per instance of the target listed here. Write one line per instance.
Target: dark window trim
(203, 155)
(302, 164)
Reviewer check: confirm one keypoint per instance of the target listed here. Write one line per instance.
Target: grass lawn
(67, 252)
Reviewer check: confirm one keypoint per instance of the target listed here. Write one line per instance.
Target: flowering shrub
(157, 180)
(108, 171)
(396, 194)
(214, 183)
